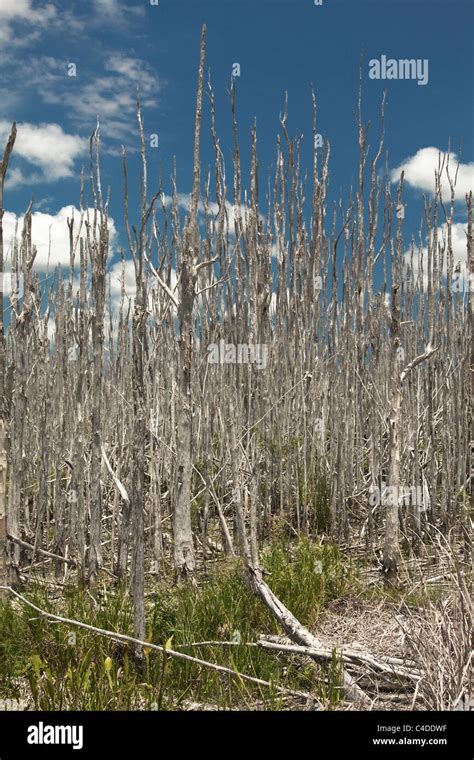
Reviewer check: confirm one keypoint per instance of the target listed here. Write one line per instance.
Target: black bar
(112, 735)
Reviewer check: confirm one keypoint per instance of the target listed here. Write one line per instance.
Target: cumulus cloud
(459, 246)
(50, 235)
(23, 9)
(106, 6)
(23, 22)
(113, 10)
(109, 96)
(17, 178)
(126, 270)
(106, 80)
(273, 300)
(420, 172)
(213, 209)
(36, 17)
(45, 147)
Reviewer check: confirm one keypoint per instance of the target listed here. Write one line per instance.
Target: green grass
(59, 668)
(419, 597)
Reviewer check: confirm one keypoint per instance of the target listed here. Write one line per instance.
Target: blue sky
(281, 46)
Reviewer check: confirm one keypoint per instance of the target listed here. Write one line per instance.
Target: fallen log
(347, 655)
(390, 665)
(49, 555)
(299, 634)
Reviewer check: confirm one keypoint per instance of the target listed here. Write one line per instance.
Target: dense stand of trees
(124, 450)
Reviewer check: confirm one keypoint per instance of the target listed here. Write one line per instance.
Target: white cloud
(15, 11)
(106, 6)
(134, 70)
(126, 269)
(420, 172)
(213, 210)
(17, 178)
(111, 96)
(273, 300)
(47, 147)
(277, 253)
(50, 235)
(51, 329)
(24, 10)
(459, 246)
(107, 10)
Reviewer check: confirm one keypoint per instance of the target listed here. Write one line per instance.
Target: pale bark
(184, 561)
(3, 401)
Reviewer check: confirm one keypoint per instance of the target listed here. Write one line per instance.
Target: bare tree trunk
(184, 561)
(98, 250)
(3, 403)
(3, 517)
(138, 465)
(391, 551)
(139, 415)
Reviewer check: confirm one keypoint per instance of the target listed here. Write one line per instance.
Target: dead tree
(139, 390)
(184, 561)
(308, 435)
(3, 401)
(98, 245)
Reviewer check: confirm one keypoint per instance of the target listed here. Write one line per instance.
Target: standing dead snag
(134, 506)
(139, 340)
(470, 274)
(22, 328)
(391, 551)
(3, 517)
(138, 454)
(3, 410)
(184, 562)
(297, 632)
(98, 245)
